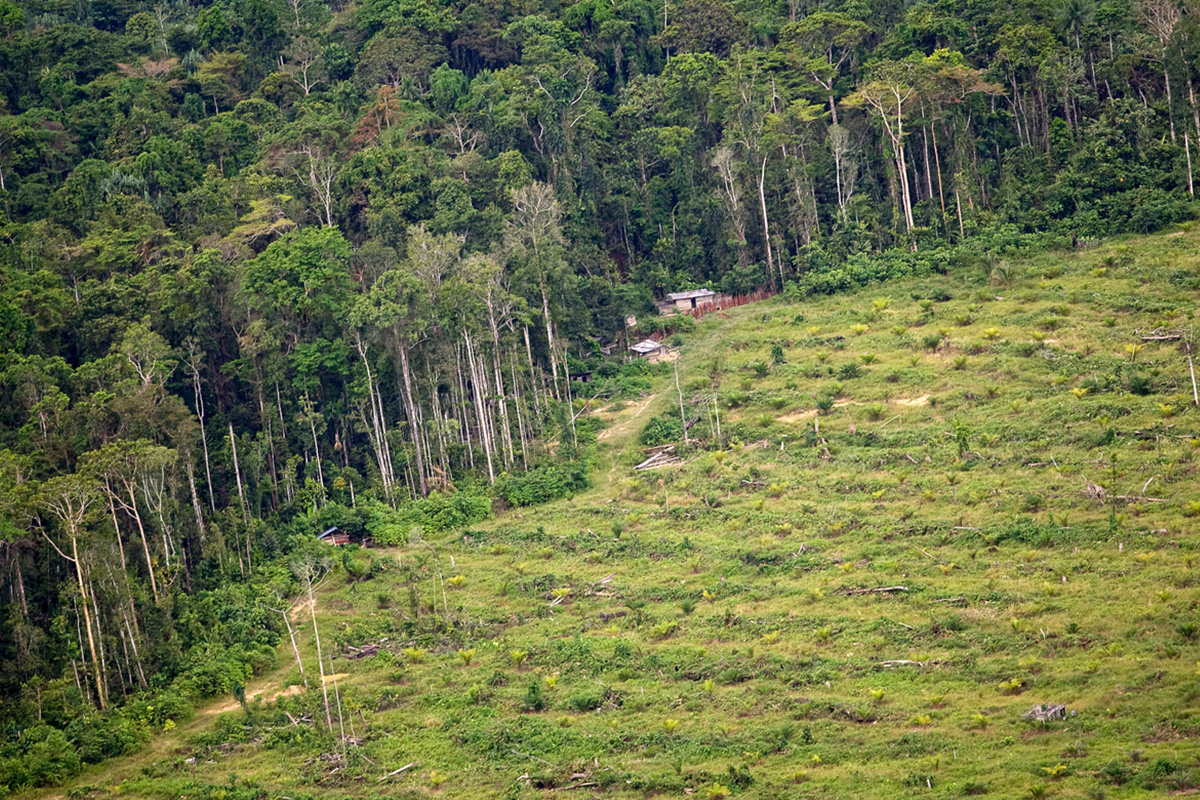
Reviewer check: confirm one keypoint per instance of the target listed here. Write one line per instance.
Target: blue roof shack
(335, 536)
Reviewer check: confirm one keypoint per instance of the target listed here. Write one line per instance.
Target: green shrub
(542, 484)
(663, 429)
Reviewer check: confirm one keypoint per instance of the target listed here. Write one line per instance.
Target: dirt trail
(621, 428)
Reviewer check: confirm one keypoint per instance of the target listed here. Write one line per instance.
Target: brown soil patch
(294, 689)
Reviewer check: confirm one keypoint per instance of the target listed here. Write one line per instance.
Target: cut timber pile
(366, 651)
(660, 457)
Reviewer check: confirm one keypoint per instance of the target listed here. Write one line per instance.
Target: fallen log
(398, 771)
(880, 590)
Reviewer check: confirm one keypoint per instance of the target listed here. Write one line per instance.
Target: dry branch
(880, 590)
(398, 771)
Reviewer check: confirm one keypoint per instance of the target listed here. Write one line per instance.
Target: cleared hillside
(933, 504)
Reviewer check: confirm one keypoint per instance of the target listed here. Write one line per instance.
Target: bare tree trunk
(477, 386)
(517, 405)
(137, 517)
(682, 416)
(87, 617)
(237, 473)
(295, 649)
(413, 418)
(312, 608)
(533, 381)
(938, 163)
(195, 500)
(762, 198)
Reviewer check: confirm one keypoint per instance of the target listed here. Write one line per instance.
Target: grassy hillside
(952, 499)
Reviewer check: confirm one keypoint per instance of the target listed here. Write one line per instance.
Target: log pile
(659, 457)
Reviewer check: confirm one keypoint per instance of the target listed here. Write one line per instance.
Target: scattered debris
(880, 590)
(1044, 712)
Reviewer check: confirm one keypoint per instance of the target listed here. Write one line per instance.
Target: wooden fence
(723, 301)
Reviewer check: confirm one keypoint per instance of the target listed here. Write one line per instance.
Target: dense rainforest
(272, 266)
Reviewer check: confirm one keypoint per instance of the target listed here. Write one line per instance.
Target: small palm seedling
(859, 329)
(456, 581)
(770, 637)
(926, 306)
(415, 655)
(1133, 350)
(466, 655)
(991, 333)
(436, 778)
(1056, 772)
(920, 720)
(687, 607)
(867, 358)
(960, 362)
(881, 303)
(518, 657)
(716, 790)
(1039, 336)
(666, 629)
(1010, 686)
(564, 721)
(551, 680)
(708, 685)
(1080, 391)
(980, 721)
(670, 725)
(877, 695)
(824, 633)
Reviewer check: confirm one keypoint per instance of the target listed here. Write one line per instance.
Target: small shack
(650, 350)
(687, 301)
(335, 537)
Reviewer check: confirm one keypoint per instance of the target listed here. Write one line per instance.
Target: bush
(100, 736)
(542, 484)
(48, 759)
(437, 512)
(663, 429)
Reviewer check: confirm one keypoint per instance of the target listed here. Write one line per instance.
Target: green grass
(710, 626)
